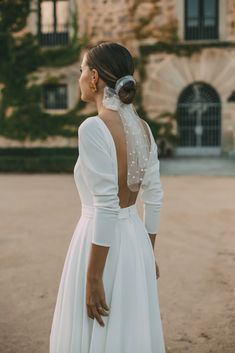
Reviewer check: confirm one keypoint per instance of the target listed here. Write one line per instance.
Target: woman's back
(114, 124)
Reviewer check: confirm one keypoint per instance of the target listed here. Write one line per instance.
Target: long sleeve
(152, 192)
(98, 167)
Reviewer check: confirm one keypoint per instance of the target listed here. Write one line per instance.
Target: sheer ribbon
(138, 144)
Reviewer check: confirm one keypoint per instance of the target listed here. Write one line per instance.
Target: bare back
(114, 123)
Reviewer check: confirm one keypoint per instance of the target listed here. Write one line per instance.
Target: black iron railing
(199, 124)
(49, 36)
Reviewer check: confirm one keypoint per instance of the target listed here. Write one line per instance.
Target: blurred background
(184, 53)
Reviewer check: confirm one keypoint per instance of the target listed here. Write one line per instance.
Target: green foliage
(13, 15)
(29, 121)
(21, 114)
(52, 164)
(181, 49)
(38, 159)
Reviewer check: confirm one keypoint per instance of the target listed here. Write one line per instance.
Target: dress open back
(134, 322)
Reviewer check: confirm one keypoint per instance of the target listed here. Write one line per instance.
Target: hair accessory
(138, 144)
(121, 81)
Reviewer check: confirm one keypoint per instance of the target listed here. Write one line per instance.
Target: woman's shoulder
(88, 124)
(92, 131)
(90, 127)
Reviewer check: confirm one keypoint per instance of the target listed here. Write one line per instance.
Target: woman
(107, 300)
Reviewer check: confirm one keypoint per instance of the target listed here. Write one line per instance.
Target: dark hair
(113, 61)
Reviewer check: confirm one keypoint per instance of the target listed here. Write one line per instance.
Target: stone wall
(127, 22)
(137, 22)
(134, 21)
(231, 19)
(167, 76)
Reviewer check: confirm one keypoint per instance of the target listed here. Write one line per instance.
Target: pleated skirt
(134, 321)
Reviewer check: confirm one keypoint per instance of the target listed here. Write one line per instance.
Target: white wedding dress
(134, 322)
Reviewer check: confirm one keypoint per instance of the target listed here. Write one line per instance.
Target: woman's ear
(94, 76)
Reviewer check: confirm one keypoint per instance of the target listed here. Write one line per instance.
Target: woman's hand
(95, 299)
(157, 270)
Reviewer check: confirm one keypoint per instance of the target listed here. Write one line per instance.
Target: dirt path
(195, 252)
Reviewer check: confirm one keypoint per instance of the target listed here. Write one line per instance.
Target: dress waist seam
(126, 212)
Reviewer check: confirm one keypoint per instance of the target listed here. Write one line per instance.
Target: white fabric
(134, 321)
(99, 169)
(151, 190)
(101, 177)
(122, 80)
(137, 141)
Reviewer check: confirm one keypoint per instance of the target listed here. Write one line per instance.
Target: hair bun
(127, 92)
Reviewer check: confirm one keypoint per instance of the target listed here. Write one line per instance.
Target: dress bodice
(84, 192)
(79, 173)
(96, 179)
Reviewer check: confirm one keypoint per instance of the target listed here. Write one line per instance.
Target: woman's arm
(152, 192)
(152, 238)
(98, 255)
(99, 172)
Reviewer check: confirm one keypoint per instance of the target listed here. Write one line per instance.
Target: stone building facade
(195, 92)
(185, 54)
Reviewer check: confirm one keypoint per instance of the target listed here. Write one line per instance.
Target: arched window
(199, 117)
(201, 19)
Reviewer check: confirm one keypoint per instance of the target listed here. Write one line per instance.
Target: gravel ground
(195, 251)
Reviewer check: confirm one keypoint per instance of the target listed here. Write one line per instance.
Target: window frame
(54, 37)
(57, 107)
(201, 28)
